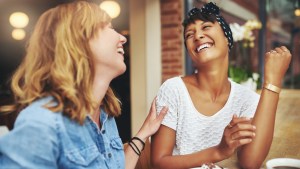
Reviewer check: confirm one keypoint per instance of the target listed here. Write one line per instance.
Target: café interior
(155, 52)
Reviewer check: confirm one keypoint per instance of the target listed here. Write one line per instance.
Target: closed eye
(189, 34)
(206, 25)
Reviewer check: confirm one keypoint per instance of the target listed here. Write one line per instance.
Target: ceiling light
(111, 7)
(18, 34)
(18, 20)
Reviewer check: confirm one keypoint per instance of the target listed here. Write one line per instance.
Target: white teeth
(121, 51)
(206, 45)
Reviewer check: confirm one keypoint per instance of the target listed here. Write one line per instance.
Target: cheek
(189, 44)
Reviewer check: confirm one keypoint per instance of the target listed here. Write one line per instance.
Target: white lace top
(195, 131)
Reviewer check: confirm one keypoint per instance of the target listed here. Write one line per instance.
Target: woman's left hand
(276, 64)
(152, 122)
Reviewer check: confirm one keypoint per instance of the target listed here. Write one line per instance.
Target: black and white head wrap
(212, 9)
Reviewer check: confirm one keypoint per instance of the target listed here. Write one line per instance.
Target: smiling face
(205, 41)
(108, 52)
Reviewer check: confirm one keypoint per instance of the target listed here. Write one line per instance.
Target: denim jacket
(45, 139)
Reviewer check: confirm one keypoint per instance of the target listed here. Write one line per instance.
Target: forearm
(131, 156)
(264, 121)
(210, 155)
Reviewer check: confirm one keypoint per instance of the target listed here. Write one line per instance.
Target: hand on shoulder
(152, 122)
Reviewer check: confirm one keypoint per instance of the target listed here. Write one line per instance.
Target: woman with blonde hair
(62, 91)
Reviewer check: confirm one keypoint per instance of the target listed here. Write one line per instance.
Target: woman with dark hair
(210, 116)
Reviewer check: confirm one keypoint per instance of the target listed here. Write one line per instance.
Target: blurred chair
(144, 160)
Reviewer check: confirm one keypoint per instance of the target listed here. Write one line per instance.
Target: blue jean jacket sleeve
(28, 145)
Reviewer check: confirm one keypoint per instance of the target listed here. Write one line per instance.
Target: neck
(100, 87)
(213, 84)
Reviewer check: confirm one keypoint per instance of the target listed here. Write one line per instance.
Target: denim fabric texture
(45, 139)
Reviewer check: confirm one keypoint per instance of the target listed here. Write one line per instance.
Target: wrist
(218, 154)
(142, 136)
(137, 145)
(271, 87)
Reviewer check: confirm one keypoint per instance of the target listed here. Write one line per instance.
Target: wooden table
(286, 141)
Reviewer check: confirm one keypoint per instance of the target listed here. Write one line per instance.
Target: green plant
(237, 74)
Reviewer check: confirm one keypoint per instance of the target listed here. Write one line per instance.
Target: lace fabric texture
(195, 131)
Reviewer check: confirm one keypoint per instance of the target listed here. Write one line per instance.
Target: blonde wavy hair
(59, 63)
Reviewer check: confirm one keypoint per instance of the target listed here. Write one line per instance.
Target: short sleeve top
(195, 131)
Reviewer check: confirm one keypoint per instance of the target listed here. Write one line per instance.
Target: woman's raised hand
(152, 122)
(238, 132)
(276, 64)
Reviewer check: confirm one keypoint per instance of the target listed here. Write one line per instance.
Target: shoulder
(172, 83)
(38, 112)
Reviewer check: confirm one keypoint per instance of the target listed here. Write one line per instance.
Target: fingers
(239, 132)
(242, 134)
(235, 120)
(153, 104)
(279, 50)
(276, 64)
(240, 142)
(162, 113)
(240, 127)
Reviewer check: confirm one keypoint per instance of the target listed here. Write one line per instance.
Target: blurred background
(155, 49)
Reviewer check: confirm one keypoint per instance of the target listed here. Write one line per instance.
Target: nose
(123, 39)
(199, 35)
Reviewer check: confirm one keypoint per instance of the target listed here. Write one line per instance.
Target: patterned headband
(213, 9)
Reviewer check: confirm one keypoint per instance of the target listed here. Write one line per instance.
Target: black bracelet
(136, 138)
(136, 150)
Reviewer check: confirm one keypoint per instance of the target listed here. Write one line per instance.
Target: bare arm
(163, 141)
(276, 64)
(149, 127)
(162, 144)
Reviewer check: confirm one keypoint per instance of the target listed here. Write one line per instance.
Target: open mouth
(203, 46)
(121, 51)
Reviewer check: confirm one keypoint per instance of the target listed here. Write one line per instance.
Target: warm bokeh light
(253, 24)
(111, 7)
(297, 12)
(18, 20)
(18, 34)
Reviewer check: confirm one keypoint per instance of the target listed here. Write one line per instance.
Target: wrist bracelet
(272, 88)
(134, 148)
(143, 143)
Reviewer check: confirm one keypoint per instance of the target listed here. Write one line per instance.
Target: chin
(122, 70)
